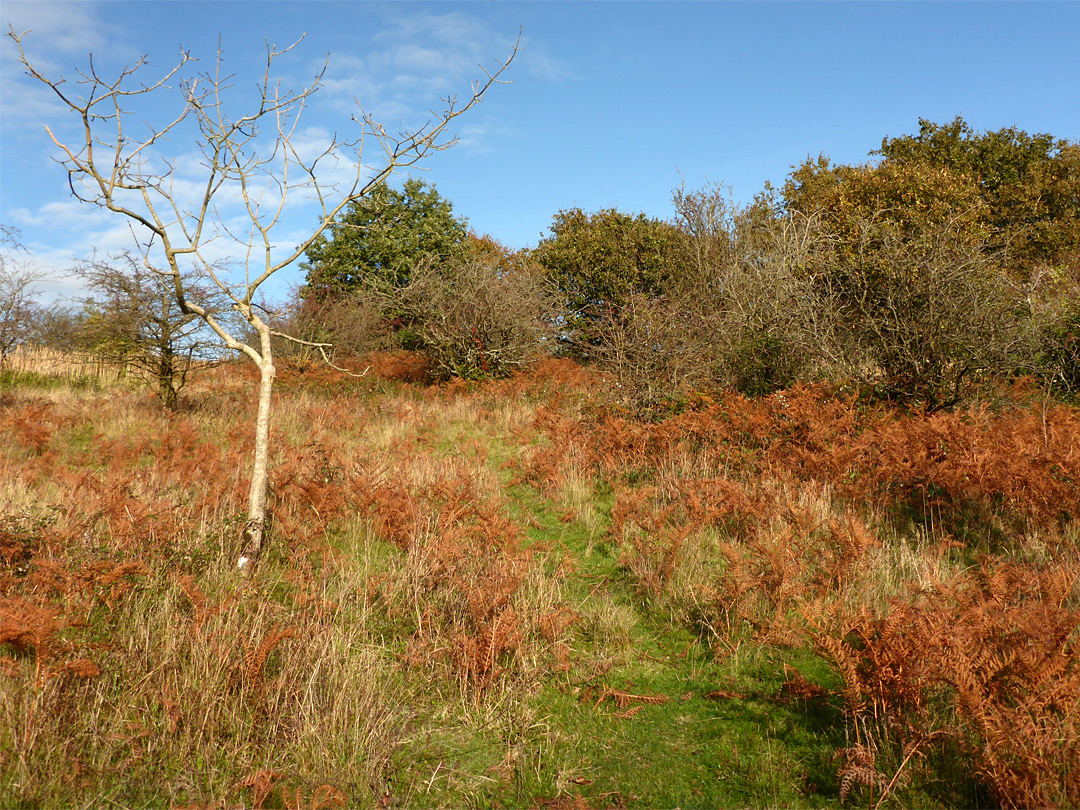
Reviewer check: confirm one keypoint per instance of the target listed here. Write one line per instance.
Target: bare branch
(111, 167)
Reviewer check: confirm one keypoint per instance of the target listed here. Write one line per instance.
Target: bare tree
(483, 313)
(132, 319)
(255, 159)
(18, 309)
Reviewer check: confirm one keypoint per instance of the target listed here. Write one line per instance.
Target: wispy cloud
(67, 28)
(85, 229)
(228, 235)
(399, 75)
(54, 30)
(413, 63)
(535, 59)
(350, 77)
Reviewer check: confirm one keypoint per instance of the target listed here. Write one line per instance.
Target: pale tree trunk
(255, 527)
(108, 168)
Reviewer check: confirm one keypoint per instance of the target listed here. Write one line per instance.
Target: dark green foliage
(380, 239)
(597, 261)
(763, 365)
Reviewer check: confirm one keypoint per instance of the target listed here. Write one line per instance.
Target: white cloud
(26, 107)
(72, 28)
(73, 231)
(57, 35)
(467, 43)
(475, 138)
(68, 213)
(413, 64)
(535, 59)
(454, 26)
(349, 78)
(61, 232)
(420, 60)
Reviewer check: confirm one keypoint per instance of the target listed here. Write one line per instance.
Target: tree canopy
(857, 207)
(596, 262)
(598, 259)
(379, 239)
(932, 255)
(1018, 193)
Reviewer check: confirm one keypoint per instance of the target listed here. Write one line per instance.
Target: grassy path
(638, 712)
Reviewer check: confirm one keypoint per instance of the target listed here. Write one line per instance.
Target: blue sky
(611, 104)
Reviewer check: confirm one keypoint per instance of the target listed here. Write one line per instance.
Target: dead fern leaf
(723, 694)
(328, 796)
(256, 658)
(797, 687)
(261, 784)
(626, 699)
(859, 768)
(82, 668)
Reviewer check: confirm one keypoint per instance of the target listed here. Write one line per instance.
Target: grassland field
(515, 594)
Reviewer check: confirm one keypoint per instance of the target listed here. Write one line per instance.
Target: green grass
(10, 379)
(560, 736)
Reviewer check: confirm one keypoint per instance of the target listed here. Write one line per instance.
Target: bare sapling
(18, 309)
(251, 166)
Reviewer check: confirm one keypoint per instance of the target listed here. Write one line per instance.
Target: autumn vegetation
(514, 593)
(763, 505)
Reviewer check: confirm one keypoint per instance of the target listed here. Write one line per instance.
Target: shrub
(354, 323)
(655, 350)
(479, 316)
(377, 241)
(1058, 361)
(764, 320)
(929, 318)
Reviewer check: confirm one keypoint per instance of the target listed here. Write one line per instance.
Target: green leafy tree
(1018, 193)
(378, 240)
(1030, 184)
(911, 199)
(598, 261)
